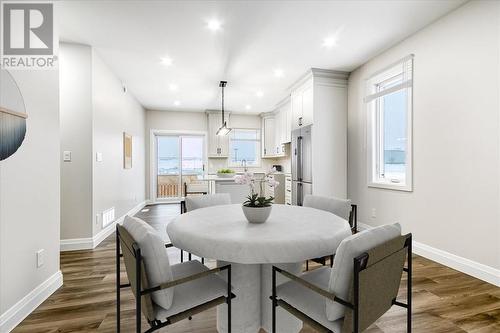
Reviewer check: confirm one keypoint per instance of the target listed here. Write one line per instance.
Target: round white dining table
(291, 235)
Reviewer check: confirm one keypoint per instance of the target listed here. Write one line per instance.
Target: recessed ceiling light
(214, 25)
(173, 87)
(177, 103)
(329, 42)
(166, 61)
(278, 72)
(259, 93)
(248, 107)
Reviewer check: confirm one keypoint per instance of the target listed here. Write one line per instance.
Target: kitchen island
(238, 192)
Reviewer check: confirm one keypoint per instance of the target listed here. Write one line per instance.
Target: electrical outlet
(40, 258)
(374, 213)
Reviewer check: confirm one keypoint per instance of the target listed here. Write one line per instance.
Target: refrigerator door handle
(299, 158)
(299, 194)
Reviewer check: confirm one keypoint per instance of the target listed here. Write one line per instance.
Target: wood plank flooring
(444, 300)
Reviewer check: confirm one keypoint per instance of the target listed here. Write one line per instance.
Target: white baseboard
(75, 244)
(475, 269)
(16, 314)
(91, 242)
(467, 266)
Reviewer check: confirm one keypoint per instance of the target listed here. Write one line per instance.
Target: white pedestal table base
(252, 307)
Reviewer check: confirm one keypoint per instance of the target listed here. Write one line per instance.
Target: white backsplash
(215, 164)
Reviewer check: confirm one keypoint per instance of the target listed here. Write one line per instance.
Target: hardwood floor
(444, 300)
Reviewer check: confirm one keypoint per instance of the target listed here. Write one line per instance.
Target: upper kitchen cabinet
(302, 104)
(276, 130)
(268, 135)
(315, 89)
(218, 146)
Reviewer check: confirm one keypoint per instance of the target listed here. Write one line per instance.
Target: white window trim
(370, 100)
(259, 157)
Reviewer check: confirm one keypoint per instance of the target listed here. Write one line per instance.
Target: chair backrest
(195, 188)
(342, 273)
(129, 250)
(379, 278)
(154, 256)
(337, 206)
(202, 201)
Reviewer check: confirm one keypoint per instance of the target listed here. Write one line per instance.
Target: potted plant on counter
(257, 207)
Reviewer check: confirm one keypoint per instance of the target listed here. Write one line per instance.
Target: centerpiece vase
(257, 214)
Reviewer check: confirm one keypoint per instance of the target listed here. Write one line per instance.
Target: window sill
(391, 186)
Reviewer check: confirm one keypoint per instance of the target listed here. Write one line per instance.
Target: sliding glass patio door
(180, 160)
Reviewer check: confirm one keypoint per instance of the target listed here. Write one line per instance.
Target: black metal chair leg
(182, 256)
(229, 299)
(190, 257)
(307, 265)
(274, 301)
(138, 291)
(409, 287)
(117, 281)
(203, 260)
(331, 260)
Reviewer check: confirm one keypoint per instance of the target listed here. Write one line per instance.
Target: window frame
(257, 141)
(403, 72)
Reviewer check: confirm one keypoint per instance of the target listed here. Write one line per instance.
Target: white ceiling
(256, 38)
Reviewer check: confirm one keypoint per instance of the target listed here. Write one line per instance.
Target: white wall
(76, 136)
(454, 205)
(29, 202)
(94, 114)
(115, 112)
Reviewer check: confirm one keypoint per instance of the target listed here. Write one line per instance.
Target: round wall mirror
(12, 116)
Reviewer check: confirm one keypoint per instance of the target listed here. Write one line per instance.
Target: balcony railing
(168, 186)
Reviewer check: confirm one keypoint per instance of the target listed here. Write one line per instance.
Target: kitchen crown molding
(319, 73)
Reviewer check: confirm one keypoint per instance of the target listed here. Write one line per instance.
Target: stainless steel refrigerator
(302, 181)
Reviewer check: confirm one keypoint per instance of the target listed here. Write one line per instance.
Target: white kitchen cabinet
(287, 121)
(278, 135)
(302, 105)
(307, 105)
(268, 146)
(218, 146)
(288, 190)
(320, 98)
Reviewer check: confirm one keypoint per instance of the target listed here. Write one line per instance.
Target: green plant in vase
(256, 207)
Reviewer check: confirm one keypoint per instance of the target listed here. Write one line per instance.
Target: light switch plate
(98, 157)
(67, 156)
(40, 258)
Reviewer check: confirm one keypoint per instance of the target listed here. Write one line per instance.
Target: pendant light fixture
(223, 130)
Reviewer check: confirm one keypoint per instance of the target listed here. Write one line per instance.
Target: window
(389, 106)
(244, 147)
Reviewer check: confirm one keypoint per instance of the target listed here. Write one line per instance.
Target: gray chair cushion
(339, 207)
(343, 264)
(193, 293)
(155, 257)
(202, 201)
(306, 300)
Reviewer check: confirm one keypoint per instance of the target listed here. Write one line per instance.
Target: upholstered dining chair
(196, 188)
(203, 201)
(340, 207)
(153, 279)
(362, 285)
